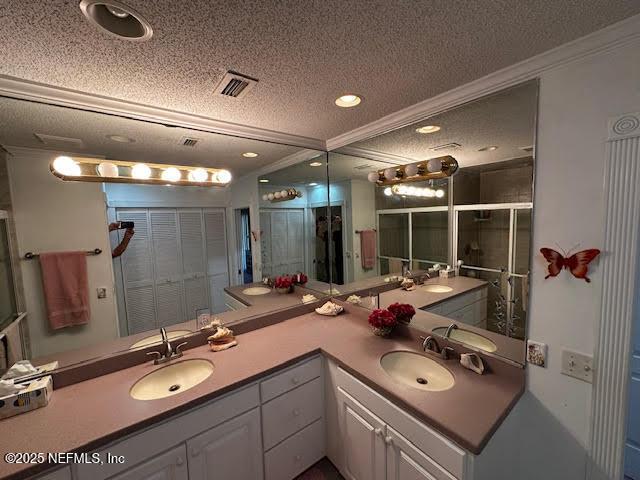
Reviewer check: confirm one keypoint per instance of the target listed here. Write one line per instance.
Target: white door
(232, 450)
(171, 465)
(194, 266)
(137, 273)
(282, 241)
(406, 462)
(217, 259)
(363, 439)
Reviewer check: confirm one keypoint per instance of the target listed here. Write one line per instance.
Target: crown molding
(607, 39)
(38, 92)
(367, 153)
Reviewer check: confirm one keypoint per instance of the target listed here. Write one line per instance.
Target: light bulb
(388, 192)
(430, 192)
(265, 197)
(140, 171)
(277, 195)
(411, 170)
(373, 177)
(198, 175)
(283, 194)
(439, 193)
(271, 196)
(390, 173)
(434, 165)
(171, 174)
(108, 169)
(222, 176)
(66, 166)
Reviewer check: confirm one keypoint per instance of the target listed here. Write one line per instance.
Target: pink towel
(368, 249)
(66, 288)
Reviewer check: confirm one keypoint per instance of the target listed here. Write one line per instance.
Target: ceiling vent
(189, 141)
(56, 141)
(235, 85)
(446, 146)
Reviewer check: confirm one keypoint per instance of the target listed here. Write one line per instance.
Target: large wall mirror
(476, 221)
(193, 251)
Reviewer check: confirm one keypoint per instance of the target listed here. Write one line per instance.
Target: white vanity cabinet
(469, 308)
(60, 474)
(171, 465)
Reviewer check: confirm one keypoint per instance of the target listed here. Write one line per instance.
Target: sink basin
(417, 371)
(153, 339)
(256, 291)
(173, 379)
(437, 288)
(469, 338)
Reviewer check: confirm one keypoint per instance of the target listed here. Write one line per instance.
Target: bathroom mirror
(194, 250)
(476, 221)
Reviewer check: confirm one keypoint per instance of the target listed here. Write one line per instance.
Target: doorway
(243, 246)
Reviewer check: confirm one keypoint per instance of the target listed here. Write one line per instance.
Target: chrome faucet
(453, 326)
(169, 353)
(430, 344)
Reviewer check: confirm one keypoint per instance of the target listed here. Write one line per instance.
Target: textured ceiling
(305, 54)
(21, 120)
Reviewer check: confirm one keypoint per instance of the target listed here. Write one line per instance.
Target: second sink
(256, 291)
(172, 379)
(435, 288)
(417, 371)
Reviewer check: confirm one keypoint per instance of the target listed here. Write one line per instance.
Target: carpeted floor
(323, 470)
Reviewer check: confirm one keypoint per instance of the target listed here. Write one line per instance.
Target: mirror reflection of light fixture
(409, 191)
(282, 195)
(434, 168)
(86, 169)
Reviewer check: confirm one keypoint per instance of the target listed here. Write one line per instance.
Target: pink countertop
(86, 415)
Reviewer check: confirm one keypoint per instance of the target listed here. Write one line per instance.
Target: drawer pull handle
(179, 461)
(296, 412)
(378, 431)
(195, 452)
(295, 380)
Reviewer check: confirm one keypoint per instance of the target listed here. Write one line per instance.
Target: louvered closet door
(279, 242)
(217, 259)
(168, 266)
(295, 241)
(265, 243)
(194, 266)
(137, 273)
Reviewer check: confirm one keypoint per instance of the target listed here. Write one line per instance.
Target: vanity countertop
(89, 414)
(269, 301)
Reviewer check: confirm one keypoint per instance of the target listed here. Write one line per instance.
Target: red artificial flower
(300, 278)
(283, 282)
(382, 318)
(402, 310)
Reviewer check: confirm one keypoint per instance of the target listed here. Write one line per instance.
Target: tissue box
(35, 395)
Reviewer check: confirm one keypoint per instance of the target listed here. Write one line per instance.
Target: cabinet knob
(377, 431)
(388, 440)
(295, 380)
(179, 461)
(195, 452)
(296, 412)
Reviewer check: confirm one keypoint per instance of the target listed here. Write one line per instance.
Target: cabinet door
(171, 465)
(232, 450)
(406, 462)
(363, 436)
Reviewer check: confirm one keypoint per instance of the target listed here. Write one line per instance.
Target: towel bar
(30, 255)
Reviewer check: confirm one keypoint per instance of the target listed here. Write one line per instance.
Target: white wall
(244, 193)
(575, 103)
(124, 195)
(53, 215)
(363, 217)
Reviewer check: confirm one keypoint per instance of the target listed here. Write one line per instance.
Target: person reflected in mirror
(124, 243)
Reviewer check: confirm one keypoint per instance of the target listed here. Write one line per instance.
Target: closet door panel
(192, 241)
(279, 242)
(196, 296)
(265, 243)
(217, 284)
(140, 308)
(166, 253)
(169, 301)
(216, 241)
(137, 262)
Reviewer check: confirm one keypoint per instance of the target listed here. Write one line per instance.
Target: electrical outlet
(577, 365)
(102, 292)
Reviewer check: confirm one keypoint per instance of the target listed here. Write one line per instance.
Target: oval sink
(437, 288)
(153, 339)
(256, 291)
(417, 371)
(468, 338)
(173, 379)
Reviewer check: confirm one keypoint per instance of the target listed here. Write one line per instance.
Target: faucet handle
(179, 348)
(157, 354)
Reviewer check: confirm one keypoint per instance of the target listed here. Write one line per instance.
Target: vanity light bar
(87, 169)
(282, 195)
(431, 169)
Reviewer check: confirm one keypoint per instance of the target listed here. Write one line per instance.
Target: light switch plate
(577, 365)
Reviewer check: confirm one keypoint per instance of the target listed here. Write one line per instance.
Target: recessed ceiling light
(313, 184)
(428, 129)
(263, 180)
(249, 154)
(349, 100)
(315, 164)
(117, 19)
(120, 138)
(490, 148)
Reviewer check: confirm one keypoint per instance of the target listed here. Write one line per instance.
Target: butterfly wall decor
(577, 264)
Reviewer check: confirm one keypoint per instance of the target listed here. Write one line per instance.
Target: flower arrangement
(300, 279)
(402, 311)
(382, 321)
(283, 284)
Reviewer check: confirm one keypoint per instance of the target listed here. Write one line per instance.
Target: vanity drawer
(288, 413)
(290, 379)
(295, 454)
(461, 301)
(232, 303)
